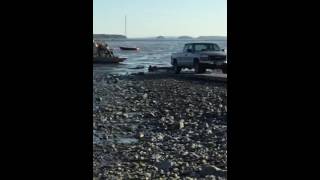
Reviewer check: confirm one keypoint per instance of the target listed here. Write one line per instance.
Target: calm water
(152, 52)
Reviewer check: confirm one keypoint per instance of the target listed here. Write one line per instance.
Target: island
(185, 37)
(160, 37)
(108, 36)
(221, 38)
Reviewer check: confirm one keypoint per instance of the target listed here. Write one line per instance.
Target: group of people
(102, 50)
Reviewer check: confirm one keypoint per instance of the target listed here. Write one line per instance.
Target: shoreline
(159, 126)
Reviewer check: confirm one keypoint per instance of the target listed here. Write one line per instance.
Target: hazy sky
(160, 17)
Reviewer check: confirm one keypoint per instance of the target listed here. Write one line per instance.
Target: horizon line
(158, 35)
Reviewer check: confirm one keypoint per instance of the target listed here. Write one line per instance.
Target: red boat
(129, 48)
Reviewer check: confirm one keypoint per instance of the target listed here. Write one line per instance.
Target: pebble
(148, 175)
(141, 135)
(165, 165)
(181, 124)
(125, 115)
(174, 120)
(119, 113)
(212, 170)
(185, 153)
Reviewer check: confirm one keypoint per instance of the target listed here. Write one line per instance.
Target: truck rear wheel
(176, 68)
(197, 67)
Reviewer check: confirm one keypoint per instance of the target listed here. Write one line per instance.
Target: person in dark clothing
(108, 51)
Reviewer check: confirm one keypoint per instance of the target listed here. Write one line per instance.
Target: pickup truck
(200, 56)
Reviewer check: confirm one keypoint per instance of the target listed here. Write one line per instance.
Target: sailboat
(125, 31)
(129, 48)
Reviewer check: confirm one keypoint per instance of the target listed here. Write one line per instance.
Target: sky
(149, 18)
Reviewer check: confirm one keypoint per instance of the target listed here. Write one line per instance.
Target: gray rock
(189, 178)
(140, 134)
(212, 170)
(125, 115)
(165, 165)
(160, 136)
(119, 113)
(176, 176)
(136, 156)
(142, 102)
(207, 125)
(185, 153)
(181, 124)
(152, 114)
(211, 177)
(148, 175)
(156, 157)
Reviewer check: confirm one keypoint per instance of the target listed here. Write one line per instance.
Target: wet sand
(153, 127)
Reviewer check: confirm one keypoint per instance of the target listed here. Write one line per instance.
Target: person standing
(100, 49)
(108, 50)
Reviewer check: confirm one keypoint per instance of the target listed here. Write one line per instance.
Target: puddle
(127, 140)
(123, 140)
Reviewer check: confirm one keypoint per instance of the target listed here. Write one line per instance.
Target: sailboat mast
(125, 25)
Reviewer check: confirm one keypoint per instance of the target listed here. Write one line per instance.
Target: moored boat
(129, 48)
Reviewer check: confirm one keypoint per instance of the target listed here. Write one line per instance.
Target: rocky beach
(158, 127)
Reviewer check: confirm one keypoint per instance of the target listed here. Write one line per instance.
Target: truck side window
(185, 48)
(201, 47)
(189, 46)
(216, 47)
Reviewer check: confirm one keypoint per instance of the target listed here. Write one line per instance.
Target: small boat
(129, 48)
(125, 32)
(107, 60)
